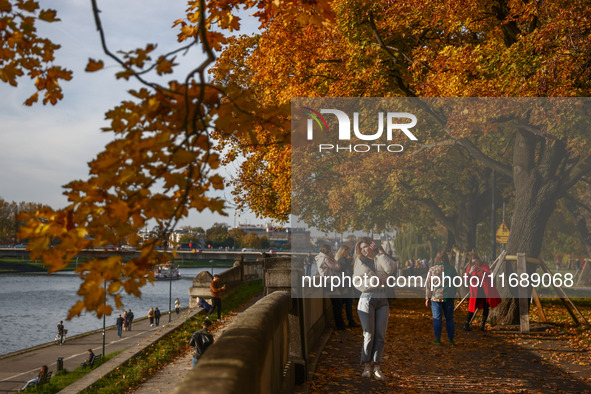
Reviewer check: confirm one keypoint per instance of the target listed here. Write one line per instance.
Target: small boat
(166, 271)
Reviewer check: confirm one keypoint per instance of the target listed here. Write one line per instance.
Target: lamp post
(493, 248)
(170, 294)
(104, 317)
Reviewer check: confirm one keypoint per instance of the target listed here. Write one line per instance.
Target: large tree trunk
(538, 186)
(580, 222)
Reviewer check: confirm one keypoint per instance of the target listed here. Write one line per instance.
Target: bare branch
(481, 157)
(433, 145)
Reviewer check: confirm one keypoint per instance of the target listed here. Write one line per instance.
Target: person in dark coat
(201, 340)
(129, 319)
(119, 323)
(90, 360)
(157, 316)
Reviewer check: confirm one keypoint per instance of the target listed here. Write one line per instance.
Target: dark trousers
(337, 310)
(349, 310)
(216, 303)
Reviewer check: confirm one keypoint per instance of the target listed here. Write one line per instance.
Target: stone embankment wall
(267, 348)
(251, 356)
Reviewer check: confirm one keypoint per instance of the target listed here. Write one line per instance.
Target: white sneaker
(366, 371)
(377, 373)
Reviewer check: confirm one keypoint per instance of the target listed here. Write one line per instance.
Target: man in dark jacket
(119, 324)
(157, 316)
(61, 332)
(129, 319)
(201, 340)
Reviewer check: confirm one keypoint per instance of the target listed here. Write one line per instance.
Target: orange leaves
(5, 6)
(94, 65)
(23, 51)
(216, 40)
(48, 16)
(164, 65)
(217, 181)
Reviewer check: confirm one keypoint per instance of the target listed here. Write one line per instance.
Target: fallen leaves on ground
(554, 359)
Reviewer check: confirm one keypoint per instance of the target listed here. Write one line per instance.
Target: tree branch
(481, 157)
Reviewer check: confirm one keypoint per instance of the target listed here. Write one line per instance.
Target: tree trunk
(580, 222)
(538, 187)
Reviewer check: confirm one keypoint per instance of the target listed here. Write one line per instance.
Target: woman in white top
(370, 274)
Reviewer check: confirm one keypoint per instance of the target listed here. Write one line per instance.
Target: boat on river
(166, 271)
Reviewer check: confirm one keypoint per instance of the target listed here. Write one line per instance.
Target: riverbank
(14, 265)
(142, 351)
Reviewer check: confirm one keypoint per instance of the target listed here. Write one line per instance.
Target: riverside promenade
(19, 367)
(552, 358)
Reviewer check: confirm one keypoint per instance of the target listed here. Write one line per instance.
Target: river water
(31, 305)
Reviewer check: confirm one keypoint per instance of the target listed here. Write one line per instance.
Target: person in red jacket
(483, 294)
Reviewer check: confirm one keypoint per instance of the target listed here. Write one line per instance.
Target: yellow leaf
(48, 16)
(94, 65)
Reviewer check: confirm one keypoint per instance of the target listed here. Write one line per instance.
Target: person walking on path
(328, 266)
(125, 324)
(119, 324)
(129, 319)
(483, 294)
(373, 307)
(343, 257)
(151, 316)
(216, 289)
(177, 305)
(157, 316)
(61, 331)
(37, 379)
(308, 264)
(201, 340)
(440, 295)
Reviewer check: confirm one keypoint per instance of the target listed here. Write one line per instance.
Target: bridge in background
(203, 254)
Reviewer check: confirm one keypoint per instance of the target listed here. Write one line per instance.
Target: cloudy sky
(45, 147)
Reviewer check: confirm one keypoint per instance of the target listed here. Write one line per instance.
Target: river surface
(31, 305)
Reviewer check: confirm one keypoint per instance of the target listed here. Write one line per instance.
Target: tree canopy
(162, 162)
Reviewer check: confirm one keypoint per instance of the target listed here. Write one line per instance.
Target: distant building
(298, 238)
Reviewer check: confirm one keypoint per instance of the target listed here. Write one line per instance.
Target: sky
(46, 147)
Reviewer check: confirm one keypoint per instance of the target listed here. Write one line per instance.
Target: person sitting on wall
(90, 360)
(203, 304)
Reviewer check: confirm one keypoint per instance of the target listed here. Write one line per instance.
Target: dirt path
(491, 361)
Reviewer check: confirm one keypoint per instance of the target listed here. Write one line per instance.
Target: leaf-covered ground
(556, 358)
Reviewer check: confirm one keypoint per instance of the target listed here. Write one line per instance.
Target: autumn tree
(417, 49)
(160, 164)
(9, 223)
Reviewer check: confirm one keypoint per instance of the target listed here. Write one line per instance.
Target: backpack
(201, 341)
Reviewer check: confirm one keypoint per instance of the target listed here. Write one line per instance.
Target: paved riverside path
(19, 367)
